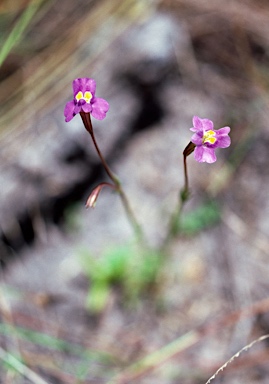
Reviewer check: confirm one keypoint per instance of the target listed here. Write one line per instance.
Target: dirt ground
(158, 64)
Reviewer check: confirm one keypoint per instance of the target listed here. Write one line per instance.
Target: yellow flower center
(87, 96)
(209, 137)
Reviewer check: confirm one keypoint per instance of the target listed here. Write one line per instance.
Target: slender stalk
(183, 197)
(88, 125)
(186, 184)
(172, 226)
(137, 228)
(185, 191)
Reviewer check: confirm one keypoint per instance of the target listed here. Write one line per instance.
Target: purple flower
(85, 100)
(206, 139)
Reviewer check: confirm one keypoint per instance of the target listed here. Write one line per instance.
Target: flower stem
(184, 194)
(136, 226)
(88, 125)
(185, 191)
(183, 197)
(125, 202)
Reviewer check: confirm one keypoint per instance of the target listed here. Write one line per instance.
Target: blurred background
(80, 300)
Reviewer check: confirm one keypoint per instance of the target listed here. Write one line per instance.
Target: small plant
(135, 267)
(129, 267)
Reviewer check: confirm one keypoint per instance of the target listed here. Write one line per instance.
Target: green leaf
(97, 297)
(201, 218)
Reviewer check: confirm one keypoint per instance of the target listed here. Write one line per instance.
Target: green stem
(132, 219)
(186, 185)
(185, 192)
(183, 197)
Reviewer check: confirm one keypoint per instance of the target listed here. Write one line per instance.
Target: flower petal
(99, 108)
(84, 84)
(204, 154)
(87, 107)
(197, 138)
(201, 124)
(69, 111)
(77, 108)
(223, 140)
(207, 124)
(197, 124)
(223, 131)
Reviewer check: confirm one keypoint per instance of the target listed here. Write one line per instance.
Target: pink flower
(85, 101)
(206, 139)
